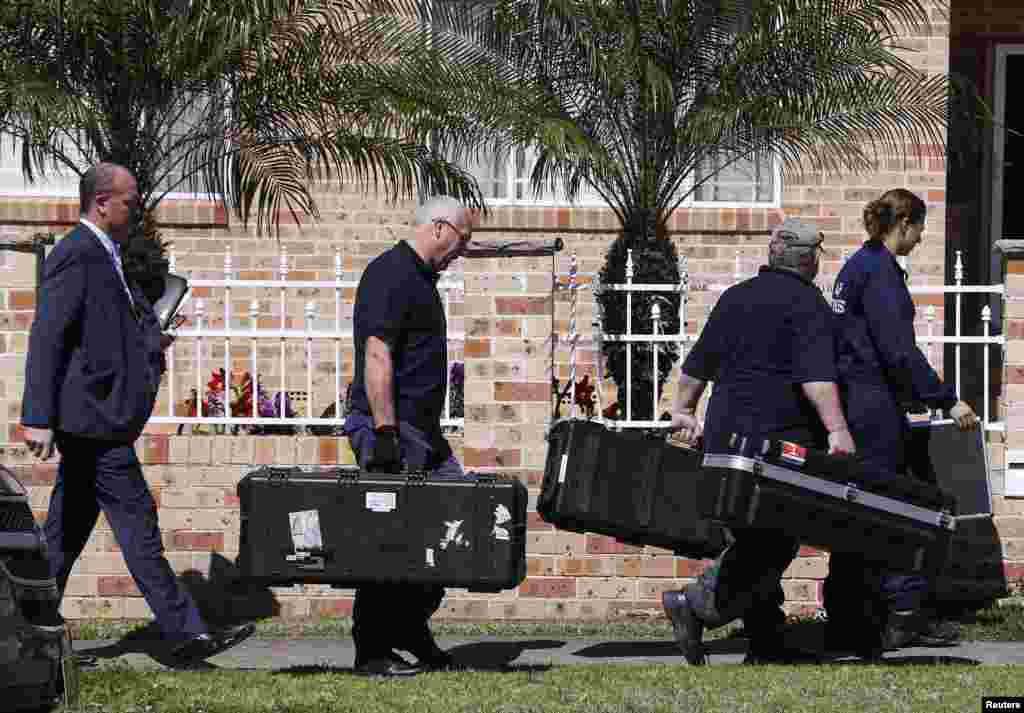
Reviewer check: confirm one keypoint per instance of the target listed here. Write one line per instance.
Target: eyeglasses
(464, 237)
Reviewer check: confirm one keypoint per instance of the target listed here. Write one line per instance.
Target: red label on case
(793, 453)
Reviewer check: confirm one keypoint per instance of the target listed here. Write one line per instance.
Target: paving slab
(503, 654)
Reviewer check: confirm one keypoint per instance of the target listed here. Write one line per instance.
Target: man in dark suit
(95, 360)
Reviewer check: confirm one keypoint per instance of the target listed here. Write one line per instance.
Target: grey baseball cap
(797, 233)
(792, 242)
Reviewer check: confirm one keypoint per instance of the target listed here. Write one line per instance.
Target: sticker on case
(381, 502)
(793, 453)
(305, 527)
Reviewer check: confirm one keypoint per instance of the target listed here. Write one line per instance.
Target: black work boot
(917, 628)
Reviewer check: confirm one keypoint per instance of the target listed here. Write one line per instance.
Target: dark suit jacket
(94, 364)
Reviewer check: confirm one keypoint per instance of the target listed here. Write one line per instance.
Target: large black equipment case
(348, 528)
(35, 650)
(821, 500)
(956, 461)
(630, 485)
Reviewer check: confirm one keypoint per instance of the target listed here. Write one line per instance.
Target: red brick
(477, 348)
(21, 299)
(690, 568)
(806, 551)
(534, 522)
(520, 391)
(123, 586)
(335, 607)
(156, 450)
(509, 328)
(522, 305)
(37, 474)
(491, 458)
(540, 566)
(328, 451)
(263, 452)
(548, 587)
(604, 545)
(198, 541)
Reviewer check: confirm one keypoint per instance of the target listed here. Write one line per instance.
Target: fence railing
(232, 333)
(685, 336)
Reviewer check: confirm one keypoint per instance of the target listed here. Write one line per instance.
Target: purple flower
(271, 407)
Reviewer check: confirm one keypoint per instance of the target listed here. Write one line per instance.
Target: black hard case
(630, 485)
(833, 512)
(382, 528)
(29, 608)
(956, 461)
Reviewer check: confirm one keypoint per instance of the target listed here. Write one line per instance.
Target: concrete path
(504, 654)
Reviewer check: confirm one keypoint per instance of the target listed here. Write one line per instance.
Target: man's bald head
(108, 198)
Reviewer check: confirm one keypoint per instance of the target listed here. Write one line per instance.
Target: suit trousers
(95, 476)
(395, 616)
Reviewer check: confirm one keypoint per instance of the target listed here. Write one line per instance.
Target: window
(63, 182)
(741, 183)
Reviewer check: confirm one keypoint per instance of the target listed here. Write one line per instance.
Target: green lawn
(998, 623)
(582, 689)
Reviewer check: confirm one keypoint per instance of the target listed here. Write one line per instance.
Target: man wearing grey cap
(769, 348)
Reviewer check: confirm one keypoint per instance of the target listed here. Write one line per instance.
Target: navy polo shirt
(765, 338)
(398, 302)
(875, 327)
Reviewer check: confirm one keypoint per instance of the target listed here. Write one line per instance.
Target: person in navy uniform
(398, 394)
(95, 360)
(769, 348)
(882, 371)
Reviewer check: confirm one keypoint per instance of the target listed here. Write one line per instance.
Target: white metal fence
(244, 328)
(931, 337)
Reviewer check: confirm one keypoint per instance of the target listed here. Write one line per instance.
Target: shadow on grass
(310, 670)
(223, 600)
(648, 649)
(499, 655)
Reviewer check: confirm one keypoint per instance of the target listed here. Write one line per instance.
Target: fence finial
(986, 314)
(227, 262)
(629, 265)
(172, 260)
(958, 268)
(337, 264)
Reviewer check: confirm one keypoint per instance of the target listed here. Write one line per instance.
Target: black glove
(386, 457)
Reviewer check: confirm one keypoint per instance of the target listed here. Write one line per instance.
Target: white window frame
(592, 201)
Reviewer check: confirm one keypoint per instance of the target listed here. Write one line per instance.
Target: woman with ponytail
(881, 371)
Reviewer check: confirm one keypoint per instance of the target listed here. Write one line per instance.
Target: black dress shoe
(385, 666)
(200, 647)
(85, 660)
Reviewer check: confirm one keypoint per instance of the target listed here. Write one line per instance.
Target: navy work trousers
(881, 433)
(395, 616)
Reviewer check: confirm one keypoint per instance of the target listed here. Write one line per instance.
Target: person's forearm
(688, 393)
(824, 396)
(380, 382)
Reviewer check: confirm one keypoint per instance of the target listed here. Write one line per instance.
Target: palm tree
(249, 101)
(645, 102)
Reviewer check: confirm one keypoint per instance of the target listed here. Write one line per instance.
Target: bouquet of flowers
(239, 392)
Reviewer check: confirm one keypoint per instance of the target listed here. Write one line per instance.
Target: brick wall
(505, 314)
